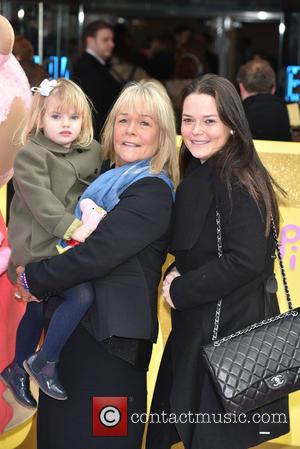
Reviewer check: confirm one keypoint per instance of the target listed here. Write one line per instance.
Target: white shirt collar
(92, 53)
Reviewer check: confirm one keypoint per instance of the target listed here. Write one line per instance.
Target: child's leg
(28, 336)
(42, 365)
(29, 331)
(77, 301)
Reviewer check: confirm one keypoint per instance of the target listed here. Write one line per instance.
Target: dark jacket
(239, 277)
(123, 257)
(268, 117)
(98, 83)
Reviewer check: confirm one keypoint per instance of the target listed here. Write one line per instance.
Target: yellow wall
(3, 201)
(283, 161)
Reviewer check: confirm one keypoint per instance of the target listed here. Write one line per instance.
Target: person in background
(125, 63)
(266, 113)
(23, 49)
(183, 35)
(34, 72)
(186, 70)
(211, 62)
(220, 171)
(91, 71)
(161, 62)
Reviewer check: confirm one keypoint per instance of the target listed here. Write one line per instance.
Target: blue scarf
(106, 190)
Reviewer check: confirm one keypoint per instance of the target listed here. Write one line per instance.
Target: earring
(232, 132)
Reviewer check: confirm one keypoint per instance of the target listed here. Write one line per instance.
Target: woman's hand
(167, 284)
(21, 294)
(172, 275)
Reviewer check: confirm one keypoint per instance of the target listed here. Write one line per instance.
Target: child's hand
(82, 233)
(21, 294)
(167, 284)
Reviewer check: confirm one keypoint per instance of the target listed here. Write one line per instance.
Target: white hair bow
(45, 87)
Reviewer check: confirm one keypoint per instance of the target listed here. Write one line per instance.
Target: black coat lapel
(193, 199)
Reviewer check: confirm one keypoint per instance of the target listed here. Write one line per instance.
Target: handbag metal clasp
(276, 381)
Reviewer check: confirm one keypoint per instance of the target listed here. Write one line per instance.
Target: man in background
(266, 113)
(92, 73)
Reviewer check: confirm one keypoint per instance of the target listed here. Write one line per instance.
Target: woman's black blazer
(123, 257)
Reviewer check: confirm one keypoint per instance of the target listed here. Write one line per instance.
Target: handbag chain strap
(219, 303)
(282, 269)
(220, 253)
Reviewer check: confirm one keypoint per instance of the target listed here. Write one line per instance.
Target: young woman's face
(202, 130)
(62, 127)
(136, 136)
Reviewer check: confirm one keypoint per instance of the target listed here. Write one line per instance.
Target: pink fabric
(4, 258)
(11, 313)
(6, 177)
(4, 58)
(14, 83)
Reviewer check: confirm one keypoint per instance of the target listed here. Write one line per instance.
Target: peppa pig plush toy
(91, 217)
(4, 255)
(91, 214)
(15, 102)
(14, 106)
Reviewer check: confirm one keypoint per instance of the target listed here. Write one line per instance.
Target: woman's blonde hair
(69, 96)
(154, 98)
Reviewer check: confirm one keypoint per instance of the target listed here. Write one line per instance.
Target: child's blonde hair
(69, 96)
(154, 98)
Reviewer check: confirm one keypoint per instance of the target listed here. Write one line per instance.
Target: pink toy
(91, 217)
(14, 105)
(91, 213)
(4, 255)
(15, 101)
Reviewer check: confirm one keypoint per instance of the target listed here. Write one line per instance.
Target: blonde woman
(108, 355)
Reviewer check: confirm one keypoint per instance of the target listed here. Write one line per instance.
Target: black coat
(268, 117)
(101, 87)
(239, 278)
(123, 256)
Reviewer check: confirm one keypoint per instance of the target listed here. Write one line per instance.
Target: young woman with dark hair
(220, 169)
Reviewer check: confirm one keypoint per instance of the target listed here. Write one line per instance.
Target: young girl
(51, 171)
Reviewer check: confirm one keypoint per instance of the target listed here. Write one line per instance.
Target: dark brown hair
(257, 76)
(23, 49)
(93, 27)
(238, 163)
(187, 66)
(34, 72)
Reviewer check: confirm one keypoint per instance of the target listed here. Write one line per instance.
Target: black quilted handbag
(260, 363)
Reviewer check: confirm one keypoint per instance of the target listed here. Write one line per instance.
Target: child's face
(61, 126)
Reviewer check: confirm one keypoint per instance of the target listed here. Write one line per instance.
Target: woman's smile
(135, 136)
